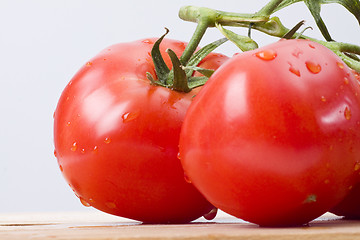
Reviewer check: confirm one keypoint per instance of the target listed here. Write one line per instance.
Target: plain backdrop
(42, 45)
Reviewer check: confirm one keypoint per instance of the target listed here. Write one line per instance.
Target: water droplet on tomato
(95, 149)
(357, 166)
(148, 41)
(74, 147)
(187, 179)
(296, 53)
(107, 140)
(129, 116)
(68, 123)
(311, 45)
(55, 153)
(211, 215)
(178, 155)
(346, 81)
(61, 168)
(110, 205)
(323, 99)
(89, 64)
(266, 55)
(347, 113)
(294, 71)
(340, 65)
(82, 150)
(83, 202)
(313, 67)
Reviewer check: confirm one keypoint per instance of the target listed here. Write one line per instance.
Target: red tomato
(116, 137)
(274, 135)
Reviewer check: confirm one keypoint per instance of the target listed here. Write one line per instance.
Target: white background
(42, 45)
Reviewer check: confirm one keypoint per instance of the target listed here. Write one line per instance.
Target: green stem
(269, 8)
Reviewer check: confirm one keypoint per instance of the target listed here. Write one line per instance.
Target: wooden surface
(100, 226)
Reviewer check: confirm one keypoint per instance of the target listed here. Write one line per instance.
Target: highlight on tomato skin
(116, 136)
(273, 137)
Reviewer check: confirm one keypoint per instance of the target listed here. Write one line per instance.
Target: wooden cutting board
(100, 226)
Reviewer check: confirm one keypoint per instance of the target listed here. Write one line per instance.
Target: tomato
(116, 136)
(274, 135)
(350, 207)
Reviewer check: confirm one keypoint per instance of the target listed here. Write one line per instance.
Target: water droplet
(211, 215)
(95, 149)
(110, 205)
(68, 123)
(294, 71)
(266, 55)
(187, 179)
(104, 59)
(311, 45)
(70, 83)
(107, 140)
(82, 150)
(340, 65)
(296, 53)
(313, 67)
(347, 113)
(357, 166)
(346, 81)
(74, 147)
(323, 99)
(83, 202)
(129, 116)
(148, 41)
(178, 156)
(89, 64)
(61, 168)
(55, 153)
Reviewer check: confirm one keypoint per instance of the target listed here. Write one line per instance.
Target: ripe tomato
(116, 136)
(274, 135)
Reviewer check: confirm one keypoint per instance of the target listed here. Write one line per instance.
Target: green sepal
(245, 43)
(180, 80)
(290, 34)
(203, 71)
(161, 69)
(195, 82)
(201, 54)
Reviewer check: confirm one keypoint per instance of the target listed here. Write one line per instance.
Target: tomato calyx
(180, 77)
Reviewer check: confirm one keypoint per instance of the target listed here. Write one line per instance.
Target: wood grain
(94, 225)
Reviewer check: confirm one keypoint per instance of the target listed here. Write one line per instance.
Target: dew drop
(107, 140)
(89, 64)
(110, 205)
(61, 168)
(340, 65)
(187, 179)
(83, 202)
(178, 156)
(82, 150)
(313, 67)
(266, 55)
(148, 41)
(95, 149)
(68, 124)
(347, 113)
(312, 46)
(294, 71)
(357, 166)
(129, 116)
(74, 147)
(346, 81)
(55, 153)
(323, 99)
(211, 215)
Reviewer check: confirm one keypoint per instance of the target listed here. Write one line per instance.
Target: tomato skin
(116, 137)
(274, 135)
